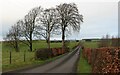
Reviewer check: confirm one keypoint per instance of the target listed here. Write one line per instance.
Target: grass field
(36, 45)
(18, 57)
(83, 66)
(93, 44)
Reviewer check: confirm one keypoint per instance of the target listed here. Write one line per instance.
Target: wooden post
(10, 57)
(24, 55)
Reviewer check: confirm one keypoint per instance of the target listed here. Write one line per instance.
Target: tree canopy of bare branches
(13, 36)
(28, 26)
(44, 23)
(47, 22)
(69, 17)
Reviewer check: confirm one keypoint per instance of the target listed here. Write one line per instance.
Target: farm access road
(65, 64)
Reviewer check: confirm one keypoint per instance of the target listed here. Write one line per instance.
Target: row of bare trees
(107, 41)
(41, 22)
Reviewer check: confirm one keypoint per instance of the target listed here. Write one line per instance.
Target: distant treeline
(52, 41)
(106, 41)
(99, 39)
(57, 41)
(91, 39)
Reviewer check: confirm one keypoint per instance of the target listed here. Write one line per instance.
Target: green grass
(83, 66)
(18, 57)
(18, 62)
(36, 45)
(72, 44)
(93, 44)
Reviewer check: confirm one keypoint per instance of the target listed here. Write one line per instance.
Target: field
(83, 66)
(18, 57)
(93, 44)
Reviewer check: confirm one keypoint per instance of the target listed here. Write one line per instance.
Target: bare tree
(28, 26)
(118, 41)
(69, 17)
(115, 41)
(105, 41)
(47, 22)
(13, 36)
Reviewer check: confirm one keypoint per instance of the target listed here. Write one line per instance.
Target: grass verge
(83, 66)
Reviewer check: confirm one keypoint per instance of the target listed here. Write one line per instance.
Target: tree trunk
(31, 42)
(49, 40)
(63, 38)
(17, 49)
(48, 34)
(16, 45)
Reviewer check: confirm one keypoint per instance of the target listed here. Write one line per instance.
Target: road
(65, 64)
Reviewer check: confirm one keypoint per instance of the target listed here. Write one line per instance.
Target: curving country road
(65, 64)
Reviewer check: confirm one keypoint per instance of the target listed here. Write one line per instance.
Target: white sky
(100, 16)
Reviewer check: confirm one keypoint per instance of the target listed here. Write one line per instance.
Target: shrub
(103, 60)
(43, 54)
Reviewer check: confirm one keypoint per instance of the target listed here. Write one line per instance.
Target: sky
(100, 16)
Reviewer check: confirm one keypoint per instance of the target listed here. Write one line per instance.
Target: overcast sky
(100, 17)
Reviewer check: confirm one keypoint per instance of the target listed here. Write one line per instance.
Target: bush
(103, 60)
(43, 54)
(87, 54)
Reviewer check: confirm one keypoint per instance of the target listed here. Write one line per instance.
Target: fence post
(10, 56)
(24, 55)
